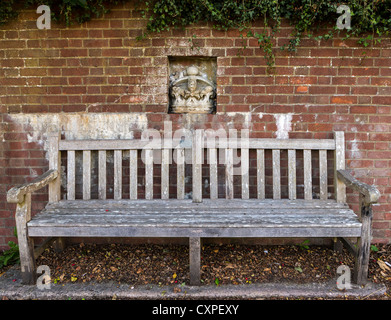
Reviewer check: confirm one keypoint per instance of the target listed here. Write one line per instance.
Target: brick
(302, 89)
(365, 71)
(386, 100)
(363, 109)
(320, 127)
(259, 99)
(343, 99)
(73, 52)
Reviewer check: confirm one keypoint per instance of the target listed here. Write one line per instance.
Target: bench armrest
(371, 193)
(16, 194)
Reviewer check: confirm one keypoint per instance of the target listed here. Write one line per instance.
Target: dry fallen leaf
(383, 265)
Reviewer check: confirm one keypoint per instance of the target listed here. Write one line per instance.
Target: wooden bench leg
(338, 245)
(195, 260)
(26, 245)
(360, 276)
(59, 244)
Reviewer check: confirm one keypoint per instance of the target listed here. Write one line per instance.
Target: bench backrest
(235, 156)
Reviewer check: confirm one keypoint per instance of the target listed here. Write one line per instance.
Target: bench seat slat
(194, 231)
(184, 218)
(207, 203)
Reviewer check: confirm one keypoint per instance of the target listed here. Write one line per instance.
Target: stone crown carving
(192, 92)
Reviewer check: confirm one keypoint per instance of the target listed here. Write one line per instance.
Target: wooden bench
(315, 215)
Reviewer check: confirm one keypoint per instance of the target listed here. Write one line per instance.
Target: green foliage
(374, 248)
(10, 256)
(306, 16)
(7, 11)
(370, 19)
(64, 11)
(304, 245)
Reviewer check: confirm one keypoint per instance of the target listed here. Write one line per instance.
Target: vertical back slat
(229, 192)
(307, 175)
(339, 164)
(102, 174)
(261, 173)
(133, 174)
(323, 174)
(292, 174)
(149, 174)
(245, 173)
(180, 178)
(197, 159)
(54, 164)
(213, 173)
(86, 175)
(117, 174)
(165, 173)
(71, 176)
(276, 175)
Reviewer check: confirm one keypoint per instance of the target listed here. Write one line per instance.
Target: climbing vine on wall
(370, 19)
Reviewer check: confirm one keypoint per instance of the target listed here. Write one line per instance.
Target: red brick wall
(99, 67)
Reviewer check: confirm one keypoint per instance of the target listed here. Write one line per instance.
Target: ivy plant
(370, 20)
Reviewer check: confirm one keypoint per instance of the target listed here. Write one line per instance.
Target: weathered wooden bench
(174, 216)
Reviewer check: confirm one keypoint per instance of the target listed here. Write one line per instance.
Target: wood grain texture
(17, 194)
(86, 175)
(54, 164)
(213, 173)
(71, 175)
(307, 175)
(276, 175)
(197, 161)
(117, 174)
(102, 174)
(292, 174)
(149, 174)
(339, 164)
(323, 174)
(133, 177)
(261, 174)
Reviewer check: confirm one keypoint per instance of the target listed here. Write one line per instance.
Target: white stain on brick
(284, 125)
(81, 126)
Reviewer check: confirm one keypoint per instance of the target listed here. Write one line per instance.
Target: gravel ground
(167, 265)
(221, 264)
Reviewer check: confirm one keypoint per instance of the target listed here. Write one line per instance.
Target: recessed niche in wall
(192, 84)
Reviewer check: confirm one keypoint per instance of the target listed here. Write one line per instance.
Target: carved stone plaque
(191, 91)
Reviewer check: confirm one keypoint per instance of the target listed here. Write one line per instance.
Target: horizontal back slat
(310, 144)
